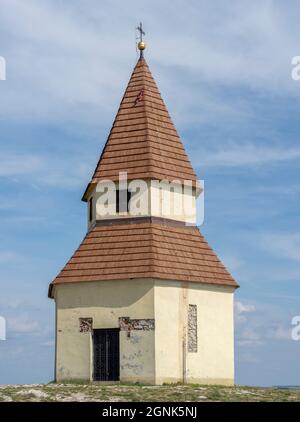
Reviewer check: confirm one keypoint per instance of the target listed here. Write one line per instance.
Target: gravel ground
(119, 392)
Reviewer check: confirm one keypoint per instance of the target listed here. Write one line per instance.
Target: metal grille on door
(106, 354)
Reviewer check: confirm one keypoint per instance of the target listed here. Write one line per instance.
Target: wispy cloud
(23, 324)
(241, 310)
(232, 262)
(241, 155)
(18, 165)
(9, 256)
(49, 343)
(249, 337)
(284, 245)
(43, 170)
(64, 66)
(293, 189)
(256, 324)
(282, 333)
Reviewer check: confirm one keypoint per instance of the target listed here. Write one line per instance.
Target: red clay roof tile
(145, 250)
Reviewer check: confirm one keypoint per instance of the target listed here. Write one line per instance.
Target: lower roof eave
(52, 285)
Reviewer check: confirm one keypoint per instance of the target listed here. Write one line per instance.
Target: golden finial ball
(141, 45)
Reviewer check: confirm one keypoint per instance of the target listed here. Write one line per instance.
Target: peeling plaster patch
(135, 368)
(133, 356)
(127, 324)
(85, 325)
(192, 329)
(135, 339)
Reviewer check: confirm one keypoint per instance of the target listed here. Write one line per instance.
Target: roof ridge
(148, 145)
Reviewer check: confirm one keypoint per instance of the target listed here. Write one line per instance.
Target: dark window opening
(123, 207)
(91, 209)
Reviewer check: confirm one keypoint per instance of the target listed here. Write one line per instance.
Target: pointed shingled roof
(143, 140)
(145, 249)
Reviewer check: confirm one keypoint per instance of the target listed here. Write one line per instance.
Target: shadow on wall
(76, 295)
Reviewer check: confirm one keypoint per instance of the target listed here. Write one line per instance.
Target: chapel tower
(144, 298)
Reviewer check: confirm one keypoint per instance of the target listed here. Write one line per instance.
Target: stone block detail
(85, 325)
(192, 329)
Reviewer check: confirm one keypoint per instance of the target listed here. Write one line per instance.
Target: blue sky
(224, 70)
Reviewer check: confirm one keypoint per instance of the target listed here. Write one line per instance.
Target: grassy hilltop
(121, 392)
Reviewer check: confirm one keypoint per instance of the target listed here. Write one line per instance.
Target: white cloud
(258, 324)
(232, 262)
(23, 324)
(284, 245)
(44, 171)
(15, 165)
(240, 311)
(241, 155)
(8, 256)
(241, 308)
(280, 189)
(248, 357)
(250, 335)
(65, 174)
(73, 63)
(282, 333)
(10, 303)
(49, 343)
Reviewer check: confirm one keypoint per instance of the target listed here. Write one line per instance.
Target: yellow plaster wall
(214, 361)
(161, 203)
(173, 205)
(105, 302)
(148, 356)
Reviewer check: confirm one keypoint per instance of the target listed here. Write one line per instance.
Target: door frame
(114, 329)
